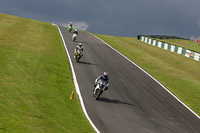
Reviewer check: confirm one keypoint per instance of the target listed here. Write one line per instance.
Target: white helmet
(80, 44)
(105, 74)
(75, 29)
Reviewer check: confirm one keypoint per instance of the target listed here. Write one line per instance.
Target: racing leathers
(75, 32)
(78, 47)
(102, 77)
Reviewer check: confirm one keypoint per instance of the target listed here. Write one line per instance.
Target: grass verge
(35, 80)
(179, 74)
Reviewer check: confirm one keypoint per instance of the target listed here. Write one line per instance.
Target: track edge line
(76, 83)
(149, 76)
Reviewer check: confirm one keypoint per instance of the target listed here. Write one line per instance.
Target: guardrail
(161, 37)
(173, 48)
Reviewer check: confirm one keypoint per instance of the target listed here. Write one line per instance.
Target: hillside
(35, 80)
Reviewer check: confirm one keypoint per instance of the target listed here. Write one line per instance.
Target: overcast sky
(114, 17)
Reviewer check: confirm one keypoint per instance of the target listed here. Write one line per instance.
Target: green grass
(179, 74)
(35, 80)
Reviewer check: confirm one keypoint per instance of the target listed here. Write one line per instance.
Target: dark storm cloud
(114, 17)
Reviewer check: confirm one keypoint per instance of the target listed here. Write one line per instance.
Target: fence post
(199, 40)
(191, 38)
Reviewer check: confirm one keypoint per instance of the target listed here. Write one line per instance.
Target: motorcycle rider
(74, 35)
(102, 77)
(70, 27)
(70, 24)
(78, 47)
(75, 32)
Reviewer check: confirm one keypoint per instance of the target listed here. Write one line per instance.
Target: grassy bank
(179, 74)
(35, 80)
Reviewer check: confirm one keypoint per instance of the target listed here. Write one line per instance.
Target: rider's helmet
(75, 30)
(80, 45)
(70, 23)
(105, 74)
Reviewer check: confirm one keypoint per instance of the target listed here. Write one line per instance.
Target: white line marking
(76, 84)
(150, 76)
(196, 56)
(166, 46)
(149, 41)
(154, 42)
(179, 50)
(159, 44)
(142, 38)
(172, 48)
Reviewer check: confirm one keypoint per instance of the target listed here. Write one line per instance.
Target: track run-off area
(134, 102)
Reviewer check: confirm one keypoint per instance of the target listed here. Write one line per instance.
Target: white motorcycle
(100, 88)
(74, 37)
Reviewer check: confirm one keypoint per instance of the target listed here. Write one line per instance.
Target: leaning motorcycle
(70, 28)
(78, 55)
(100, 88)
(74, 36)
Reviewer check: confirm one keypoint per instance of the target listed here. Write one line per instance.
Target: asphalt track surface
(134, 103)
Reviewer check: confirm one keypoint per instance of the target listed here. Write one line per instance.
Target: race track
(134, 103)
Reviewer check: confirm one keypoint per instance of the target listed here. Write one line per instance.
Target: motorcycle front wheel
(77, 58)
(98, 94)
